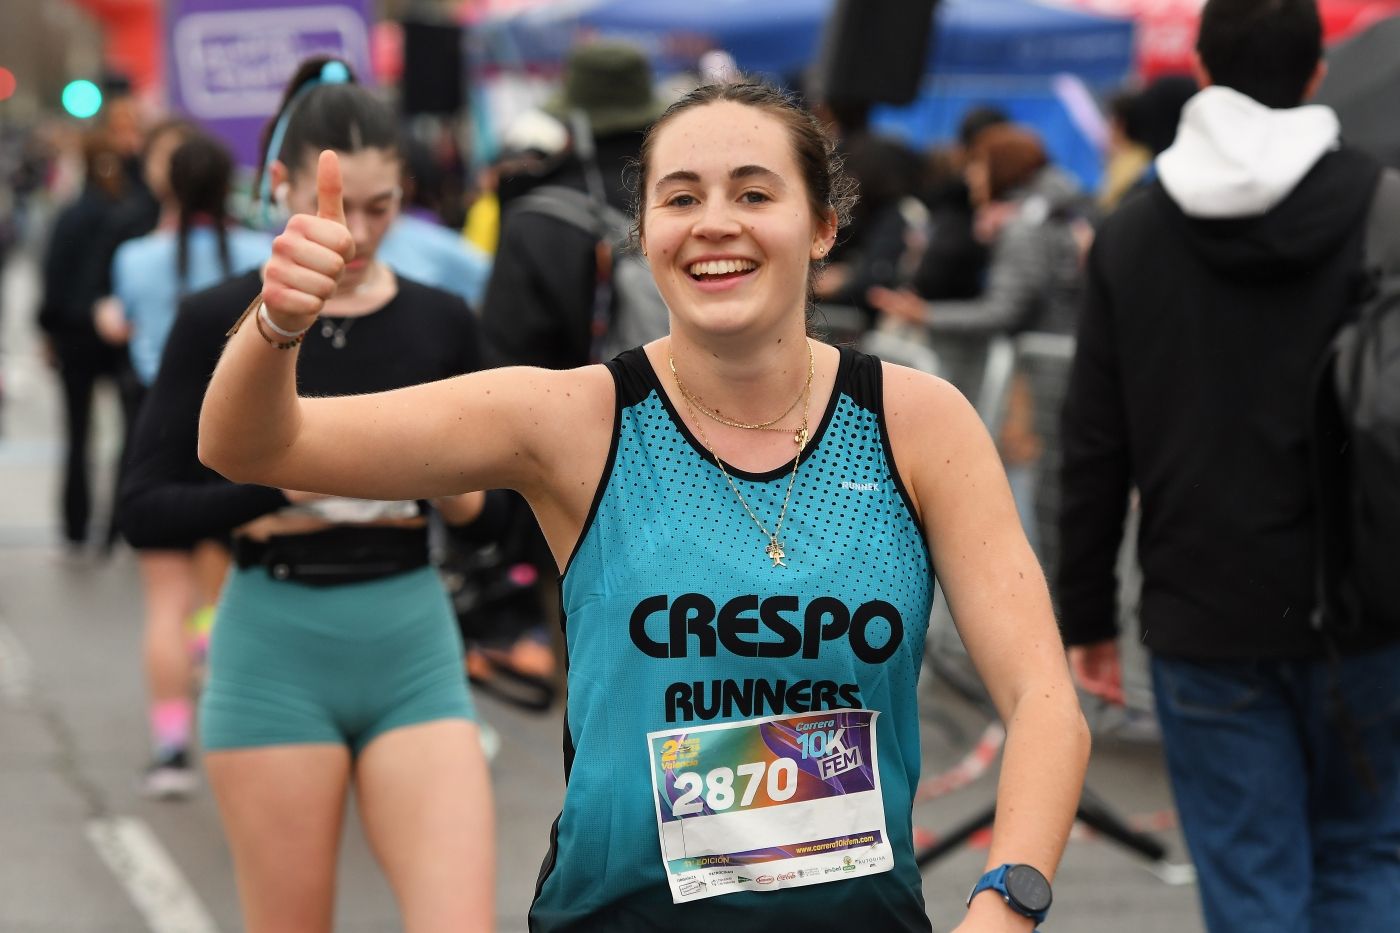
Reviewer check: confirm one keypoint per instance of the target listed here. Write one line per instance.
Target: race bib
(769, 803)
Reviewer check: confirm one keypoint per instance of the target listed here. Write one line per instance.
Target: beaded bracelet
(289, 334)
(295, 337)
(256, 305)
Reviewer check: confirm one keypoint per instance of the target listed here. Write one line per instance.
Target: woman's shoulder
(152, 247)
(924, 408)
(930, 425)
(224, 302)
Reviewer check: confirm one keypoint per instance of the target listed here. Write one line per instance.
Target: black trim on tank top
(621, 388)
(568, 741)
(869, 379)
(551, 858)
(838, 389)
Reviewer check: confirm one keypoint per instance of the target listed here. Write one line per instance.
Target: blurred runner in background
(335, 657)
(194, 246)
(1212, 299)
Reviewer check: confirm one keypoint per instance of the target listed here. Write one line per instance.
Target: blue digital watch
(1023, 887)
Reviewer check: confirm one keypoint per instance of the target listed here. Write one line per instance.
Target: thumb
(329, 202)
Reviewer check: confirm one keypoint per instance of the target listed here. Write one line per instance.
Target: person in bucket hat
(611, 83)
(539, 305)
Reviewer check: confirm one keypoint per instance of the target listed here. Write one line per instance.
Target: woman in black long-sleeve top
(335, 655)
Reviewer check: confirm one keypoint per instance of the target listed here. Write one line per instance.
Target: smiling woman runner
(746, 520)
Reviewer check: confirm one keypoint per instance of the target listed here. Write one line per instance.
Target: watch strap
(995, 880)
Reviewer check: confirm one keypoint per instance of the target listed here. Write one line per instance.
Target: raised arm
(504, 428)
(1001, 605)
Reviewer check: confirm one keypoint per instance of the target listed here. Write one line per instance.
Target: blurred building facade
(45, 44)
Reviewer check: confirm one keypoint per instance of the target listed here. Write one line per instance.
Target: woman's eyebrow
(742, 171)
(749, 171)
(374, 199)
(682, 175)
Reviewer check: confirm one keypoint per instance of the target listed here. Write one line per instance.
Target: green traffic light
(82, 99)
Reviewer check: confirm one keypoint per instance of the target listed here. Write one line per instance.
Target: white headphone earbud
(280, 195)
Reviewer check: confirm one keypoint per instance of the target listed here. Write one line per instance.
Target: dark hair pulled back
(344, 116)
(200, 171)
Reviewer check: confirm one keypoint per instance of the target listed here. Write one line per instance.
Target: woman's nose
(717, 220)
(359, 226)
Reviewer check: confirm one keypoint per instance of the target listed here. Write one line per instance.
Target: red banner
(131, 36)
(1166, 29)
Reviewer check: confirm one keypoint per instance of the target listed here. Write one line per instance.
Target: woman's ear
(826, 235)
(281, 184)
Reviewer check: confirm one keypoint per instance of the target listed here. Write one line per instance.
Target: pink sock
(170, 724)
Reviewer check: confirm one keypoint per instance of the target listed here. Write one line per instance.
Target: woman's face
(371, 179)
(728, 225)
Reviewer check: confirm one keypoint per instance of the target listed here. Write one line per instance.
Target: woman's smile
(713, 274)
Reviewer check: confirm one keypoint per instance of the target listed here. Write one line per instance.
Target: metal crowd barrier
(986, 370)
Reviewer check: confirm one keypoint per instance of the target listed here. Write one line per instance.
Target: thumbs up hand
(309, 257)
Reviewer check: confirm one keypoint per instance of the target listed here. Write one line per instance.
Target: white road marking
(16, 670)
(151, 879)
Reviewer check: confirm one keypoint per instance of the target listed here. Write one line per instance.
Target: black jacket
(1196, 350)
(538, 309)
(171, 500)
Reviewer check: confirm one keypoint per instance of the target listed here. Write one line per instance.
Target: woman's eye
(755, 197)
(681, 200)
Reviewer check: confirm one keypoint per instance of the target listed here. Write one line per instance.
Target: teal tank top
(674, 618)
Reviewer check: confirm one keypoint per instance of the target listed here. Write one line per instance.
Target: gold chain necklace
(714, 415)
(774, 550)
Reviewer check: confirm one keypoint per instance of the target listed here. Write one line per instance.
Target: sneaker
(170, 777)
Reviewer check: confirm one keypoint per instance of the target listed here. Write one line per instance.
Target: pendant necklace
(774, 550)
(695, 404)
(336, 333)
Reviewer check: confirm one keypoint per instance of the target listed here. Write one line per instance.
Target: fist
(1098, 668)
(310, 255)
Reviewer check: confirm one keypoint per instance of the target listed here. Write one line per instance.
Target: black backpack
(1357, 444)
(627, 308)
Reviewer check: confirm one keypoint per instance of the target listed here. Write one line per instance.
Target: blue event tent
(1013, 53)
(781, 37)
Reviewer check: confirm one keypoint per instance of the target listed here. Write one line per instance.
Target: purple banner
(229, 60)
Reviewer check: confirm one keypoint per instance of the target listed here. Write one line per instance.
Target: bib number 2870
(717, 787)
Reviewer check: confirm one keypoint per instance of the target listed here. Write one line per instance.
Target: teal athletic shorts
(293, 664)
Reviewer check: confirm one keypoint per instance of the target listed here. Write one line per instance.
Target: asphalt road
(82, 852)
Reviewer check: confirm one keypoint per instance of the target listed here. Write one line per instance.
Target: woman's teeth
(722, 267)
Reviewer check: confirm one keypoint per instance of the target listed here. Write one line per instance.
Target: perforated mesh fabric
(668, 525)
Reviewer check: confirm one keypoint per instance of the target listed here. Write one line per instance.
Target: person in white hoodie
(1211, 297)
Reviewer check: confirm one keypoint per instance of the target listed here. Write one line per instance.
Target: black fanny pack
(337, 555)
